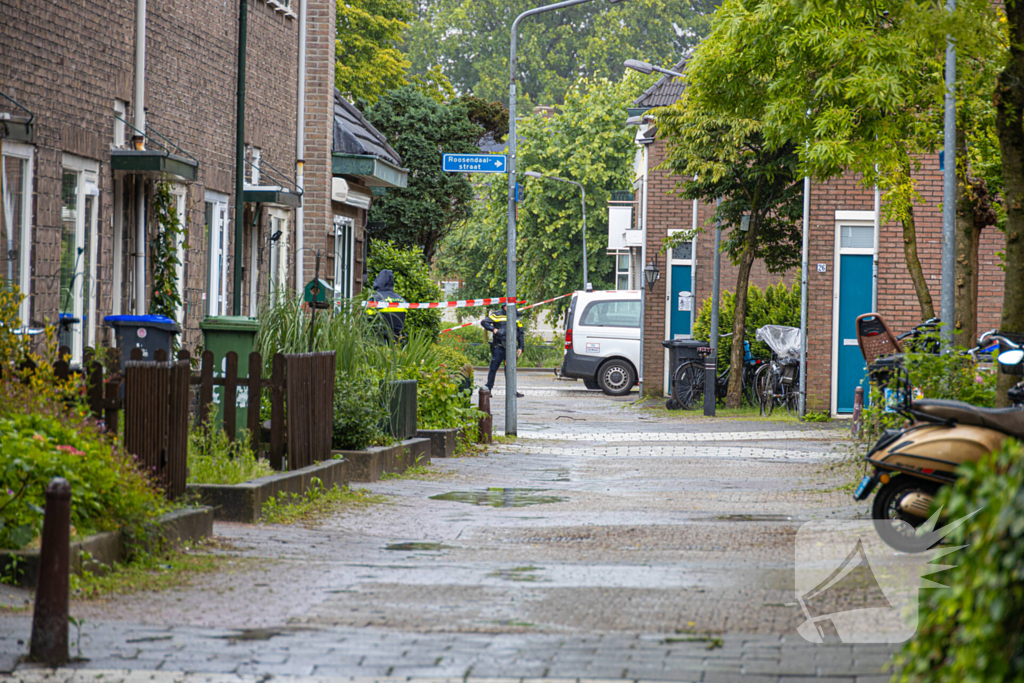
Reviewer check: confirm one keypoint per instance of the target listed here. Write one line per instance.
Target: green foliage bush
(213, 458)
(442, 404)
(358, 414)
(973, 630)
(471, 342)
(777, 305)
(412, 282)
(40, 440)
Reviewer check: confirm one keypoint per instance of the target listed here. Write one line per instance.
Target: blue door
(854, 300)
(681, 303)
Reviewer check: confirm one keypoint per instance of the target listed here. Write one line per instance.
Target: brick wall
(67, 63)
(896, 298)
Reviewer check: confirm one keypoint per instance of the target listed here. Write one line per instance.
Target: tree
(412, 282)
(584, 141)
(759, 187)
(469, 40)
(368, 62)
(421, 130)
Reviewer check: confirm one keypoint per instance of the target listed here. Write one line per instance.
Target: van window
(611, 314)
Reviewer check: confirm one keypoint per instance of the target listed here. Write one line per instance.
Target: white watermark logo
(853, 587)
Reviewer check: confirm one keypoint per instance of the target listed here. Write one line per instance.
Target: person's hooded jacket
(392, 316)
(496, 323)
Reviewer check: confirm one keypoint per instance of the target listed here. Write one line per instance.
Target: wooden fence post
(229, 397)
(205, 386)
(255, 396)
(277, 425)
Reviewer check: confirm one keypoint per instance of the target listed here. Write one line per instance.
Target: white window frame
(180, 194)
(84, 301)
(843, 219)
(217, 253)
(120, 129)
(669, 289)
(26, 153)
(254, 267)
(344, 252)
(278, 280)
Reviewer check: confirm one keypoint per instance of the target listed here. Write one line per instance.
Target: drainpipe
(874, 255)
(243, 30)
(643, 264)
(803, 298)
(140, 184)
(693, 268)
(300, 152)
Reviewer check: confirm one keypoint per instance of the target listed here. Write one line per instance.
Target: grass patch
(750, 413)
(502, 438)
(213, 458)
(417, 472)
(315, 504)
(149, 572)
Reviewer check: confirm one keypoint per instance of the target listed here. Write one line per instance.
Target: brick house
(75, 179)
(842, 245)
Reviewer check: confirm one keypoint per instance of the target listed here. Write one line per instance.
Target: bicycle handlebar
(995, 335)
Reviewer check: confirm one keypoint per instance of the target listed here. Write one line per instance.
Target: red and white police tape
(463, 303)
(539, 303)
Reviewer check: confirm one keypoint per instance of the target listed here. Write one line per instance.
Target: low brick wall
(244, 502)
(370, 464)
(96, 553)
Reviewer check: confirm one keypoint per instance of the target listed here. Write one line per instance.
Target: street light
(645, 68)
(510, 254)
(533, 174)
(651, 275)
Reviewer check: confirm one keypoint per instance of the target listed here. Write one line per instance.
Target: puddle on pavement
(500, 497)
(753, 518)
(524, 574)
(417, 545)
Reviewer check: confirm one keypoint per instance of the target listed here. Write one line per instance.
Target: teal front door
(854, 300)
(681, 303)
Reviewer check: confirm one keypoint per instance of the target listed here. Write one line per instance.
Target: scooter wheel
(896, 527)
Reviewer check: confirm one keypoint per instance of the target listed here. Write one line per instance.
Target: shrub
(972, 629)
(412, 282)
(777, 305)
(40, 440)
(456, 363)
(470, 341)
(359, 414)
(441, 404)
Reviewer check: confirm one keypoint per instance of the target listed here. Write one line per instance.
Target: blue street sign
(474, 163)
(519, 192)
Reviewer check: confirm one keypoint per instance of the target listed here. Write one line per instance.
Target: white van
(602, 340)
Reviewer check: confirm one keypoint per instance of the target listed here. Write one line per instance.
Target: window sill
(282, 8)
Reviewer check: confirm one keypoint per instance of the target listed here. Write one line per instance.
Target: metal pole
(140, 185)
(874, 256)
(300, 152)
(510, 254)
(711, 363)
(50, 616)
(586, 281)
(243, 29)
(803, 297)
(949, 189)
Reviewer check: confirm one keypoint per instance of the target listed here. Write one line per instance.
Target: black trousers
(497, 358)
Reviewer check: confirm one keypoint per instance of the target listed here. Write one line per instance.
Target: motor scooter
(912, 462)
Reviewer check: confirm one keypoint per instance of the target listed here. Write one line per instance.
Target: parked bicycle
(777, 383)
(688, 381)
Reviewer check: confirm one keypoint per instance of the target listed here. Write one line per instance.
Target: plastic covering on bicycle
(784, 341)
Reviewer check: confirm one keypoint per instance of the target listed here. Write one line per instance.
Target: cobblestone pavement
(607, 542)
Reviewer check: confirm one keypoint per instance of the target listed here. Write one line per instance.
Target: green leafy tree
(584, 141)
(758, 185)
(421, 130)
(469, 39)
(412, 282)
(368, 62)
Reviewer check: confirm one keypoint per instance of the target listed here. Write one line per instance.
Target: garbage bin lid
(232, 323)
(160, 322)
(684, 343)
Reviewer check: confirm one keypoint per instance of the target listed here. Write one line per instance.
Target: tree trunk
(924, 298)
(1009, 100)
(734, 399)
(967, 237)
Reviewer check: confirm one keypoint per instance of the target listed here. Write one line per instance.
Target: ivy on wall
(166, 297)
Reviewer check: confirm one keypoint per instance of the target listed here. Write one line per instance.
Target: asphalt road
(609, 541)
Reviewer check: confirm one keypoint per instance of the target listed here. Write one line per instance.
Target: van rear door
(609, 327)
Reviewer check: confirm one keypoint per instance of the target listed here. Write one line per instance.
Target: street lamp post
(645, 68)
(534, 174)
(510, 256)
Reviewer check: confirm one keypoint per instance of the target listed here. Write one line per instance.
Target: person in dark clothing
(496, 324)
(390, 318)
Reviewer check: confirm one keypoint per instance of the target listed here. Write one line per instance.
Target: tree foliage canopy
(469, 40)
(584, 141)
(368, 61)
(421, 130)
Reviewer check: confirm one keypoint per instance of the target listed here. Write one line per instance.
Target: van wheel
(616, 377)
(591, 384)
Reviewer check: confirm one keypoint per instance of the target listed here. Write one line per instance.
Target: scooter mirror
(1011, 357)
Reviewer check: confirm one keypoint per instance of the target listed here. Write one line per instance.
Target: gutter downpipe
(300, 154)
(803, 297)
(243, 30)
(693, 267)
(643, 264)
(874, 256)
(140, 184)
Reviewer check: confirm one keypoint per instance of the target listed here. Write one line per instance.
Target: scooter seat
(1007, 420)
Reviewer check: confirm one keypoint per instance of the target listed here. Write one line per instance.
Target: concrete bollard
(858, 406)
(710, 380)
(50, 617)
(485, 426)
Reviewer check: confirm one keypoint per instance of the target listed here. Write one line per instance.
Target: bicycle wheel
(759, 384)
(688, 385)
(792, 400)
(769, 396)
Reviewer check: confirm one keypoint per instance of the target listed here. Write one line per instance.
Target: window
(217, 239)
(622, 271)
(77, 301)
(857, 237)
(344, 253)
(611, 314)
(255, 155)
(278, 253)
(16, 228)
(120, 112)
(682, 252)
